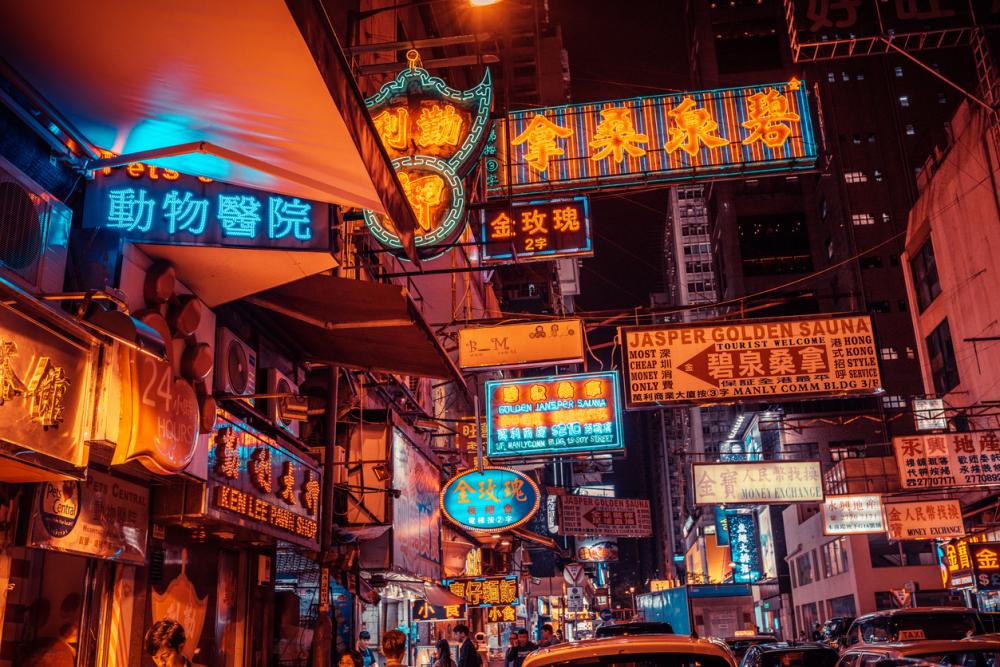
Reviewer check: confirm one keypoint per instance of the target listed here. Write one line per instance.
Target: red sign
(608, 517)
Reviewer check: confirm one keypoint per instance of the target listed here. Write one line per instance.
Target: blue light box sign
(150, 205)
(743, 546)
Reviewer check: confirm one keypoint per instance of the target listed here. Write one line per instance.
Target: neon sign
(485, 591)
(424, 611)
(490, 500)
(536, 230)
(433, 134)
(698, 135)
(546, 416)
(743, 541)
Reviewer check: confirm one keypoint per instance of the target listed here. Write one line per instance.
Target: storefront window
(843, 606)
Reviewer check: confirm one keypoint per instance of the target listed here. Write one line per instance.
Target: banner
(513, 345)
(759, 360)
(853, 515)
(948, 460)
(610, 517)
(757, 483)
(924, 520)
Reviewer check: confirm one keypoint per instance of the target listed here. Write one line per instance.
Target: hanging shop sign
(924, 520)
(721, 526)
(743, 546)
(553, 415)
(434, 136)
(610, 517)
(501, 614)
(985, 558)
(948, 460)
(485, 591)
(170, 208)
(490, 500)
(423, 611)
(521, 345)
(750, 359)
(467, 433)
(416, 519)
(536, 231)
(256, 483)
(853, 515)
(700, 135)
(956, 560)
(597, 550)
(757, 483)
(46, 390)
(101, 517)
(928, 414)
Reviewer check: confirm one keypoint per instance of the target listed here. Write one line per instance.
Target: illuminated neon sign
(490, 500)
(433, 134)
(165, 207)
(536, 230)
(698, 135)
(743, 545)
(547, 416)
(485, 591)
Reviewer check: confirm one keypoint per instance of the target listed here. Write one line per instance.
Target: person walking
(368, 657)
(468, 656)
(548, 637)
(817, 633)
(443, 657)
(350, 658)
(164, 643)
(393, 648)
(518, 652)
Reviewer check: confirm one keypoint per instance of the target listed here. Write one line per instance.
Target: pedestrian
(517, 653)
(164, 642)
(350, 658)
(817, 633)
(52, 651)
(367, 654)
(443, 657)
(393, 647)
(468, 656)
(548, 637)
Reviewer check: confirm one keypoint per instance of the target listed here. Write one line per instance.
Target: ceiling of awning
(262, 82)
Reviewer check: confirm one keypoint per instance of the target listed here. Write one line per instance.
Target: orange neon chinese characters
(393, 126)
(439, 126)
(768, 114)
(533, 226)
(693, 127)
(502, 227)
(566, 219)
(616, 136)
(424, 193)
(540, 135)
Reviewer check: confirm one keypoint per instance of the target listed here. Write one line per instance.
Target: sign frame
(639, 507)
(759, 501)
(522, 333)
(894, 536)
(824, 509)
(492, 529)
(579, 205)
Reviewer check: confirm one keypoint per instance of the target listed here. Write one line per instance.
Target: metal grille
(21, 231)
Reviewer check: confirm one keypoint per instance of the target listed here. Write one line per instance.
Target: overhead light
(482, 3)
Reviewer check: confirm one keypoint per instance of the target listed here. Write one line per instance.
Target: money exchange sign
(948, 460)
(924, 520)
(757, 483)
(985, 558)
(853, 515)
(610, 517)
(751, 359)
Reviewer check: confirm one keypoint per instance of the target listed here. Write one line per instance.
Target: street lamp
(631, 591)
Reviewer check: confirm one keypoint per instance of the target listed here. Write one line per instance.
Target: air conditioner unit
(279, 383)
(34, 232)
(235, 365)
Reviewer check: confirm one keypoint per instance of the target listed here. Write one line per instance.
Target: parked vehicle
(627, 629)
(913, 624)
(835, 629)
(974, 652)
(790, 654)
(635, 650)
(739, 645)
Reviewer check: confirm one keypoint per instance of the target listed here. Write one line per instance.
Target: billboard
(853, 515)
(529, 344)
(707, 134)
(416, 519)
(924, 520)
(597, 550)
(761, 360)
(549, 416)
(610, 517)
(948, 460)
(757, 483)
(536, 231)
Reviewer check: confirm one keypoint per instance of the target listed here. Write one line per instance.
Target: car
(835, 629)
(972, 652)
(626, 629)
(739, 645)
(790, 654)
(635, 651)
(913, 624)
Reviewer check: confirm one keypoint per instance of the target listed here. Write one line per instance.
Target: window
(856, 139)
(899, 554)
(870, 262)
(842, 606)
(845, 76)
(860, 76)
(878, 175)
(894, 402)
(860, 219)
(941, 354)
(804, 569)
(942, 98)
(885, 217)
(925, 275)
(910, 353)
(904, 100)
(855, 177)
(834, 557)
(846, 449)
(888, 353)
(899, 72)
(831, 77)
(871, 137)
(910, 130)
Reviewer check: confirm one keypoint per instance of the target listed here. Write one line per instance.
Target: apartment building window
(834, 557)
(846, 449)
(888, 353)
(804, 569)
(884, 553)
(878, 175)
(904, 100)
(925, 276)
(855, 177)
(860, 76)
(879, 306)
(942, 98)
(893, 402)
(856, 139)
(899, 72)
(941, 354)
(871, 137)
(910, 353)
(861, 219)
(831, 77)
(845, 76)
(885, 217)
(910, 130)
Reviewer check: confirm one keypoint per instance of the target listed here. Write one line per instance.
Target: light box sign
(549, 416)
(743, 546)
(490, 500)
(948, 460)
(485, 591)
(749, 360)
(853, 515)
(146, 205)
(924, 520)
(532, 344)
(424, 611)
(530, 231)
(699, 135)
(757, 483)
(929, 414)
(985, 558)
(957, 562)
(610, 517)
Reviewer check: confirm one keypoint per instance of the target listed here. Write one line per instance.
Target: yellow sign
(554, 342)
(657, 585)
(925, 520)
(764, 482)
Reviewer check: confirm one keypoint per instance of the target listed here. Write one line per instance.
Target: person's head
(547, 631)
(461, 632)
(350, 658)
(393, 645)
(164, 642)
(443, 649)
(522, 637)
(363, 638)
(69, 633)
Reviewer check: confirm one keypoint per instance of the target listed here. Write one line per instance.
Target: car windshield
(739, 646)
(680, 659)
(987, 658)
(910, 627)
(835, 626)
(635, 629)
(800, 658)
